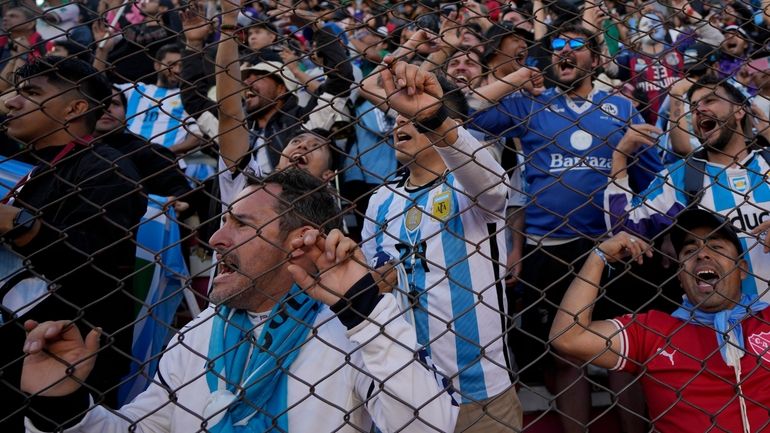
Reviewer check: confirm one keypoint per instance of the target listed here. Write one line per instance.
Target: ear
(157, 66)
(76, 108)
(743, 268)
(328, 175)
(297, 233)
(596, 60)
(740, 113)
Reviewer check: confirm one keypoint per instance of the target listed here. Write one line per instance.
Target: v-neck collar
(582, 108)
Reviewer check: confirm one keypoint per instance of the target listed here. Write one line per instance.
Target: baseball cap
(277, 70)
(501, 30)
(734, 28)
(699, 56)
(692, 219)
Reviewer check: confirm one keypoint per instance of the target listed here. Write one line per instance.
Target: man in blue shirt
(567, 136)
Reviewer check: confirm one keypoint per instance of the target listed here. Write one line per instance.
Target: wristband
(431, 124)
(603, 256)
(231, 27)
(23, 222)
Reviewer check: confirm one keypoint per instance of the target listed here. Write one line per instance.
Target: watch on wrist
(22, 223)
(432, 123)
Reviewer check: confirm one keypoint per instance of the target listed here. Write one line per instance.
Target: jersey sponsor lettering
(747, 220)
(561, 162)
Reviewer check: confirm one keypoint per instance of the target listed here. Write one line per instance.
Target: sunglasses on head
(558, 44)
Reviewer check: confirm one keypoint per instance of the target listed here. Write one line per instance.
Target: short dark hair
(591, 37)
(75, 49)
(733, 93)
(304, 200)
(121, 95)
(64, 72)
(165, 49)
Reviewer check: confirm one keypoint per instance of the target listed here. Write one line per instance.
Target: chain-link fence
(539, 216)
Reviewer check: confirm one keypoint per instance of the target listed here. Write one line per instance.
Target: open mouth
(567, 64)
(298, 158)
(461, 79)
(227, 265)
(708, 277)
(708, 125)
(402, 137)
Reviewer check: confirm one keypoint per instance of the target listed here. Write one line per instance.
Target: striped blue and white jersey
(450, 237)
(157, 114)
(739, 193)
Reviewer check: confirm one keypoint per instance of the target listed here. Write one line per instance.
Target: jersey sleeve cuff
(358, 303)
(623, 349)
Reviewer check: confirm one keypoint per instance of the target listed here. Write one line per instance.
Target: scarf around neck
(248, 379)
(726, 323)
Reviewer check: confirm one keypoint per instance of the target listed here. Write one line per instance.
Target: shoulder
(104, 155)
(390, 187)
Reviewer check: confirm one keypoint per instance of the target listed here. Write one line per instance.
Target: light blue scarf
(723, 321)
(248, 381)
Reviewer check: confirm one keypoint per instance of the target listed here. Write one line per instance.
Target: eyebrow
(242, 218)
(26, 86)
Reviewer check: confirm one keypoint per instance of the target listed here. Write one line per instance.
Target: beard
(574, 83)
(167, 82)
(723, 138)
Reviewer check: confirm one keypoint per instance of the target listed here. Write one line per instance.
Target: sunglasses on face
(558, 44)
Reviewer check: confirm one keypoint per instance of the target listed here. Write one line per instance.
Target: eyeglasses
(558, 44)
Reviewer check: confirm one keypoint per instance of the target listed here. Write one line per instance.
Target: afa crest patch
(413, 218)
(739, 183)
(442, 205)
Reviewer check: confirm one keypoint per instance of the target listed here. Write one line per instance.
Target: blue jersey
(372, 158)
(568, 147)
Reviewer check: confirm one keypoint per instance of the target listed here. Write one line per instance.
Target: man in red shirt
(705, 366)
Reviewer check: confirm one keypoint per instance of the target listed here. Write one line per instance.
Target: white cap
(277, 70)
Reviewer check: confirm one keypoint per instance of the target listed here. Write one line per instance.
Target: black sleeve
(159, 172)
(336, 63)
(196, 83)
(104, 209)
(358, 303)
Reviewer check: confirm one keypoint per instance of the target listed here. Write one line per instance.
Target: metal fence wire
(322, 216)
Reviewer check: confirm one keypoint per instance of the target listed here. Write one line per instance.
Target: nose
(14, 102)
(401, 120)
(302, 144)
(221, 240)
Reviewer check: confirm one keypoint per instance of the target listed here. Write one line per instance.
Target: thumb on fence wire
(412, 92)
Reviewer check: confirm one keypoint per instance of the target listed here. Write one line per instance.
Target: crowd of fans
(474, 155)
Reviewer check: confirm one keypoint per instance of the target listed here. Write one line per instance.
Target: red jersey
(654, 75)
(687, 385)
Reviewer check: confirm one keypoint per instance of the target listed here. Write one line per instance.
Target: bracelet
(431, 124)
(228, 27)
(603, 256)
